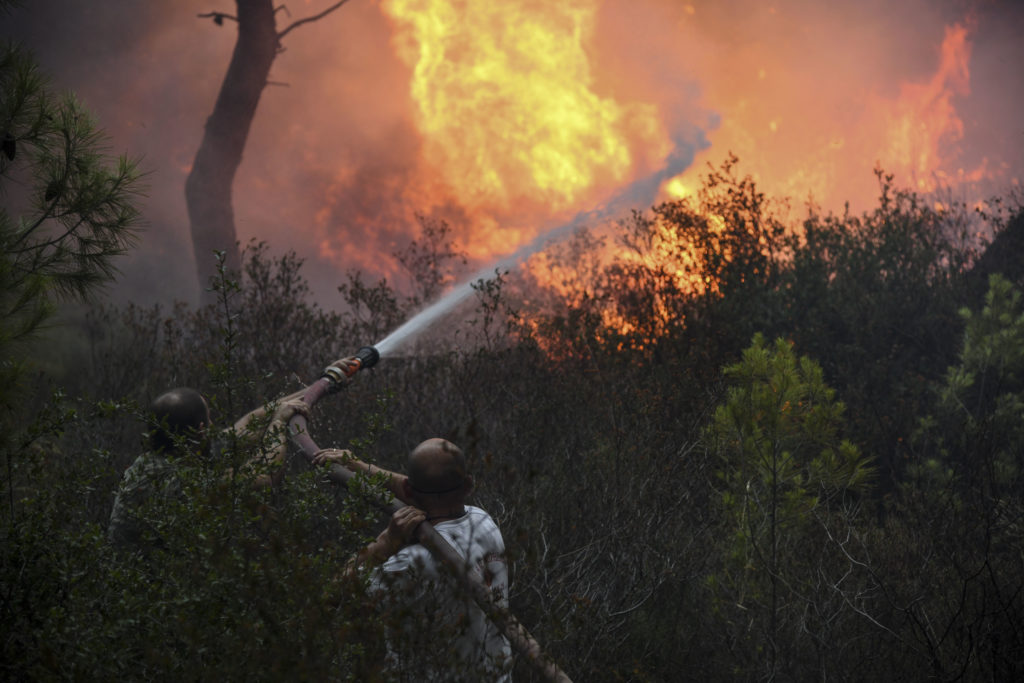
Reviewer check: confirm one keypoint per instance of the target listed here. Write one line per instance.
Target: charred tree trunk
(208, 187)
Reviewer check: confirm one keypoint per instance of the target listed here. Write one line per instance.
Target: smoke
(810, 96)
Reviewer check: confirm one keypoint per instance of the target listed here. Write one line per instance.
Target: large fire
(506, 106)
(506, 118)
(519, 124)
(523, 120)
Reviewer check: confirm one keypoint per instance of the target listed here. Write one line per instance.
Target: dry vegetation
(688, 499)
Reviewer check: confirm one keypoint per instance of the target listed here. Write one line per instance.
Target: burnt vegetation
(746, 447)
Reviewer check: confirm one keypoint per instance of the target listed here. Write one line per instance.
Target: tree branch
(307, 20)
(69, 151)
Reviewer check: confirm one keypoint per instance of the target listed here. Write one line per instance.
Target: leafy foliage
(986, 390)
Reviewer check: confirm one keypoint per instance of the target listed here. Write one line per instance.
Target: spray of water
(640, 193)
(462, 291)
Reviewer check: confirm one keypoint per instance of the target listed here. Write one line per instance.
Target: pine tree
(787, 478)
(68, 208)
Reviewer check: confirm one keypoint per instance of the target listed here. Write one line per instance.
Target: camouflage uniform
(150, 477)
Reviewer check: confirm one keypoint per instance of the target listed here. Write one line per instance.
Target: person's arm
(399, 531)
(272, 460)
(344, 457)
(242, 425)
(349, 365)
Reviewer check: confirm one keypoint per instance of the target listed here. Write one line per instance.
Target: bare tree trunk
(208, 187)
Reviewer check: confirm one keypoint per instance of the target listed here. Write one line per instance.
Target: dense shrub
(647, 539)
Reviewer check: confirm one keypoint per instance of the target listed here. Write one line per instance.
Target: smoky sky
(334, 167)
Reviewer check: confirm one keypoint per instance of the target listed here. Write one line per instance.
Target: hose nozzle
(365, 357)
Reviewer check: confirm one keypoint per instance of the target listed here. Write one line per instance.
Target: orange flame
(506, 105)
(824, 143)
(522, 114)
(922, 127)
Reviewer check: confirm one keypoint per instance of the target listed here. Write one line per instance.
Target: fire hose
(469, 579)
